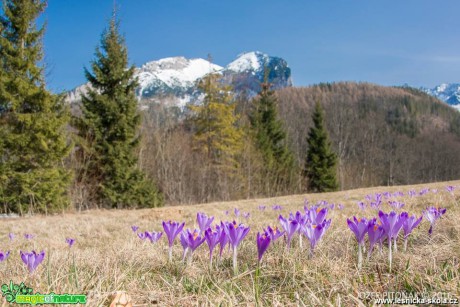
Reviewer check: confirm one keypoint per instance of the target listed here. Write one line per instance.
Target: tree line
(112, 156)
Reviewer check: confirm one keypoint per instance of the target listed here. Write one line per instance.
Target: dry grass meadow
(108, 256)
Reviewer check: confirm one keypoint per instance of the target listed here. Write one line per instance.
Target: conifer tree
(32, 120)
(320, 165)
(217, 135)
(108, 129)
(271, 141)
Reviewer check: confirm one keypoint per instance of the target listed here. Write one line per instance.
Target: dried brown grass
(108, 256)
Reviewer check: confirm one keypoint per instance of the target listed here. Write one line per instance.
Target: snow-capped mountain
(448, 92)
(173, 80)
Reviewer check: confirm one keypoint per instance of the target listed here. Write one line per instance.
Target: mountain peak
(254, 60)
(447, 92)
(175, 78)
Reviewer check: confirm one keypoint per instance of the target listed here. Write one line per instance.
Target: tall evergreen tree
(32, 120)
(108, 129)
(271, 140)
(320, 165)
(217, 135)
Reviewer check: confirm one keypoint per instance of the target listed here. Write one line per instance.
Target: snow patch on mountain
(248, 61)
(174, 72)
(447, 92)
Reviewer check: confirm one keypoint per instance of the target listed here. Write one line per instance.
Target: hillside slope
(383, 135)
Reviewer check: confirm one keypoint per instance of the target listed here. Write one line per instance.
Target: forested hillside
(382, 136)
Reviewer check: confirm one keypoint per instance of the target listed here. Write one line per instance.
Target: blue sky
(389, 42)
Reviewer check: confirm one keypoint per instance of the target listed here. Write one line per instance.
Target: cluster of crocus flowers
(32, 260)
(388, 227)
(172, 229)
(312, 224)
(432, 214)
(152, 236)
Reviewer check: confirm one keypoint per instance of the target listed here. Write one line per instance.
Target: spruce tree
(271, 140)
(32, 120)
(217, 135)
(320, 165)
(108, 129)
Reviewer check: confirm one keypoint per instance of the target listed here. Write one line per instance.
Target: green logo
(21, 294)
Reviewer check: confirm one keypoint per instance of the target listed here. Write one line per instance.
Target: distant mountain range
(173, 80)
(447, 92)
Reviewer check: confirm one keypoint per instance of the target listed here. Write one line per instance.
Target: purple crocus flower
(134, 228)
(316, 215)
(223, 239)
(277, 207)
(142, 235)
(235, 235)
(212, 238)
(423, 191)
(263, 241)
(432, 214)
(11, 236)
(172, 229)
(301, 220)
(262, 208)
(184, 242)
(362, 205)
(4, 256)
(226, 212)
(237, 212)
(359, 226)
(375, 232)
(204, 221)
(153, 236)
(391, 224)
(396, 204)
(387, 195)
(340, 206)
(409, 224)
(314, 232)
(28, 236)
(246, 215)
(450, 189)
(194, 240)
(70, 241)
(274, 233)
(290, 227)
(32, 260)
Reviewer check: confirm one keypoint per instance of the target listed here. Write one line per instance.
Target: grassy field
(108, 256)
